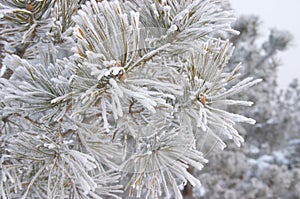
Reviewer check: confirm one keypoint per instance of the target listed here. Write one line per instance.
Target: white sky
(283, 15)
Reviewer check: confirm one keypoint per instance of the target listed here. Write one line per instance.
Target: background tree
(268, 165)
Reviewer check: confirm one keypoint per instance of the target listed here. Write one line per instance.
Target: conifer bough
(113, 99)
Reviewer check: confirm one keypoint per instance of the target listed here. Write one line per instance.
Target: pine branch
(142, 80)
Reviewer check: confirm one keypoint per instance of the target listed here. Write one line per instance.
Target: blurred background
(268, 163)
(282, 15)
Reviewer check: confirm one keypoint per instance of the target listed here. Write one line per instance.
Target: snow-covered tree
(114, 99)
(268, 165)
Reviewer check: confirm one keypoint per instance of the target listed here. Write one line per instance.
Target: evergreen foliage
(114, 99)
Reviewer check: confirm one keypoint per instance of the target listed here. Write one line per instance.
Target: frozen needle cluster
(109, 99)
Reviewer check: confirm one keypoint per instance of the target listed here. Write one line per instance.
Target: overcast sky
(283, 15)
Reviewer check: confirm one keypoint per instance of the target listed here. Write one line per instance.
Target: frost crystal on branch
(126, 109)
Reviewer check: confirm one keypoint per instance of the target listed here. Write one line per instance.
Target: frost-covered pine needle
(110, 99)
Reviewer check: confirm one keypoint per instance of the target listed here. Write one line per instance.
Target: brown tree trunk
(187, 192)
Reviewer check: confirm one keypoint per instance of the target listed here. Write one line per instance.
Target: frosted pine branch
(119, 98)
